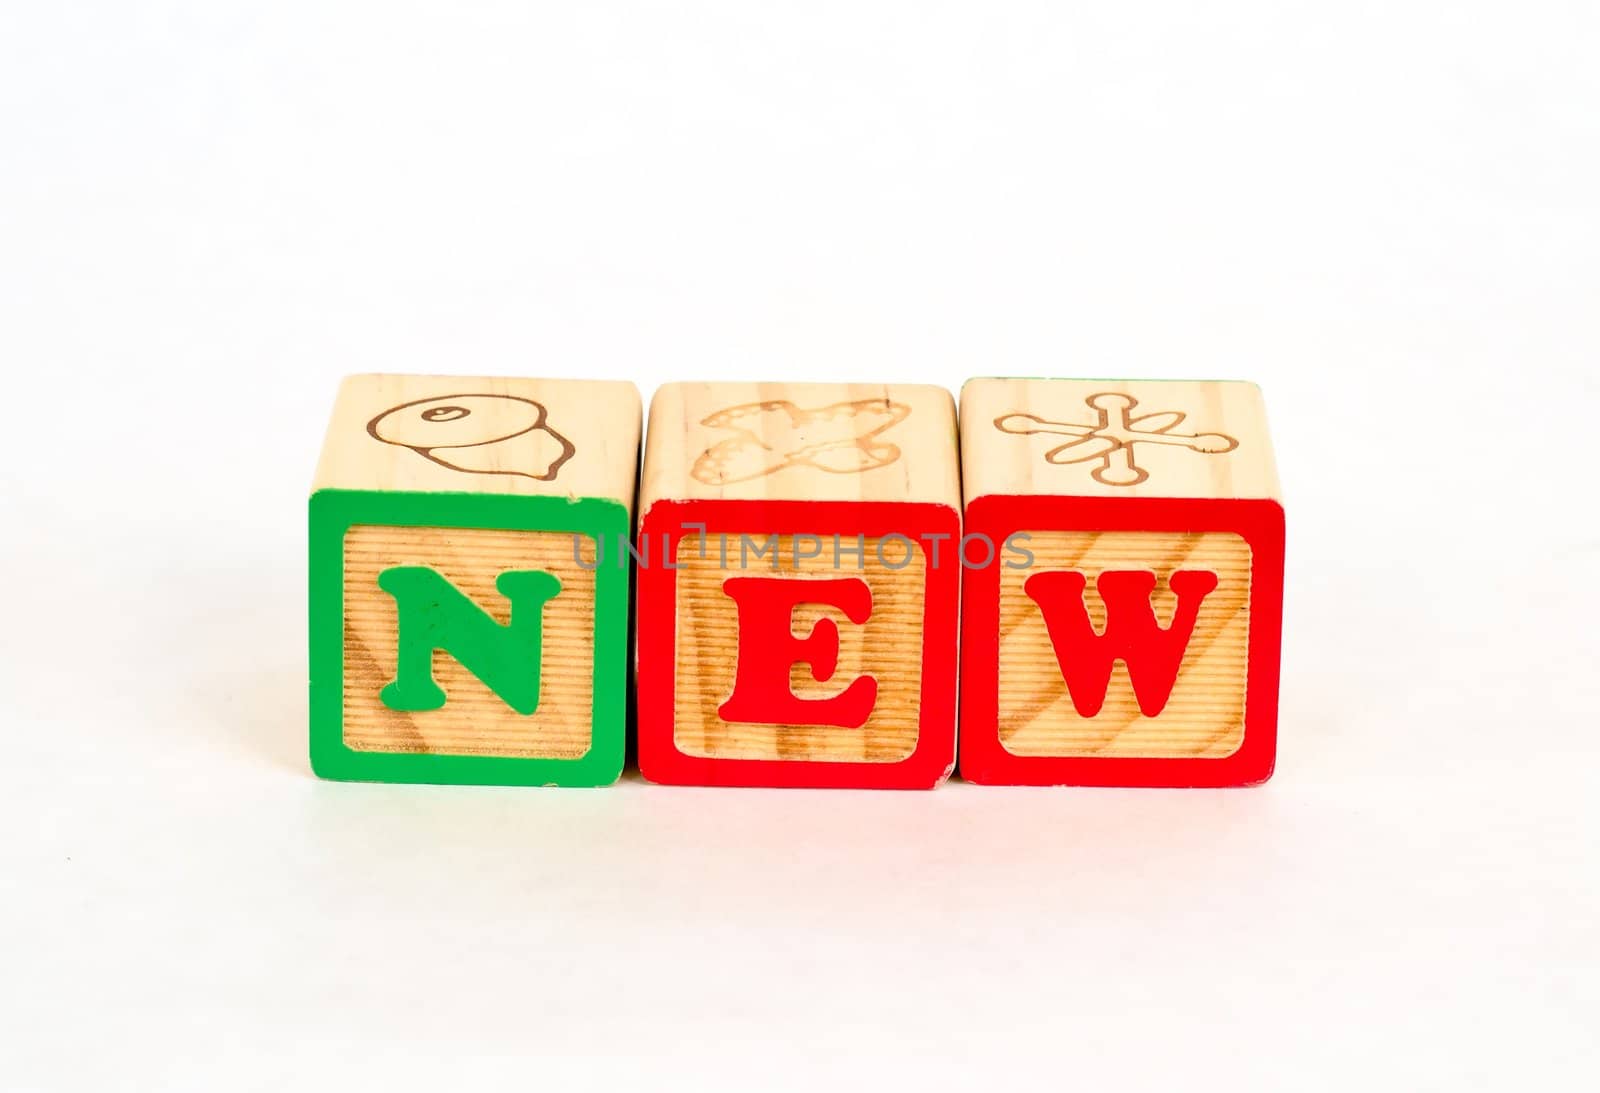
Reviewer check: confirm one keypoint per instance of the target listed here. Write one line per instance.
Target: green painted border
(333, 512)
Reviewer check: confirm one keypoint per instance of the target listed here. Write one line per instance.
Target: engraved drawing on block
(1111, 441)
(477, 434)
(842, 439)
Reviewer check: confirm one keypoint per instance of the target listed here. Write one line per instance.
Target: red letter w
(1132, 634)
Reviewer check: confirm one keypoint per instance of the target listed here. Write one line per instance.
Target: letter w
(1132, 634)
(434, 615)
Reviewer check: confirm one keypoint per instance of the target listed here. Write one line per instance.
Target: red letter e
(768, 648)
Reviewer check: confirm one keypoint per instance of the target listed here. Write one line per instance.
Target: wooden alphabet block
(798, 585)
(1128, 632)
(463, 626)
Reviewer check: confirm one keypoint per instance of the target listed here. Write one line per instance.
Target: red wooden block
(1128, 631)
(798, 586)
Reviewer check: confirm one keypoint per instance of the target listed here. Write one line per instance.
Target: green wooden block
(469, 593)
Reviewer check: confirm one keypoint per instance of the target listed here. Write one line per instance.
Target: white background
(1386, 213)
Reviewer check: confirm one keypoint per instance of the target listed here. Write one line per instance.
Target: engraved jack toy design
(1113, 439)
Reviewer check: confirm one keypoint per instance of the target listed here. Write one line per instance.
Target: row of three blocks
(811, 570)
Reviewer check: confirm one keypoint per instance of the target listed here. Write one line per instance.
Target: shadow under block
(469, 616)
(798, 586)
(1129, 633)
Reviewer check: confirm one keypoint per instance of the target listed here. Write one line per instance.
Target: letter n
(433, 614)
(1132, 634)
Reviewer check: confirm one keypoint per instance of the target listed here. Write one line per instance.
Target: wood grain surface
(1017, 438)
(1204, 717)
(480, 435)
(888, 646)
(801, 441)
(474, 720)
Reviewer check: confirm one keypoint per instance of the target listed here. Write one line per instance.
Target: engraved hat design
(477, 434)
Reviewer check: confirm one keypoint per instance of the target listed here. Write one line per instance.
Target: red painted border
(1259, 522)
(659, 758)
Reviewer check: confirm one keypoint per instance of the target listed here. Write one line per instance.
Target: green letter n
(434, 615)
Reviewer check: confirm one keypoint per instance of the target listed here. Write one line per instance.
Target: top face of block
(455, 434)
(1116, 438)
(801, 441)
